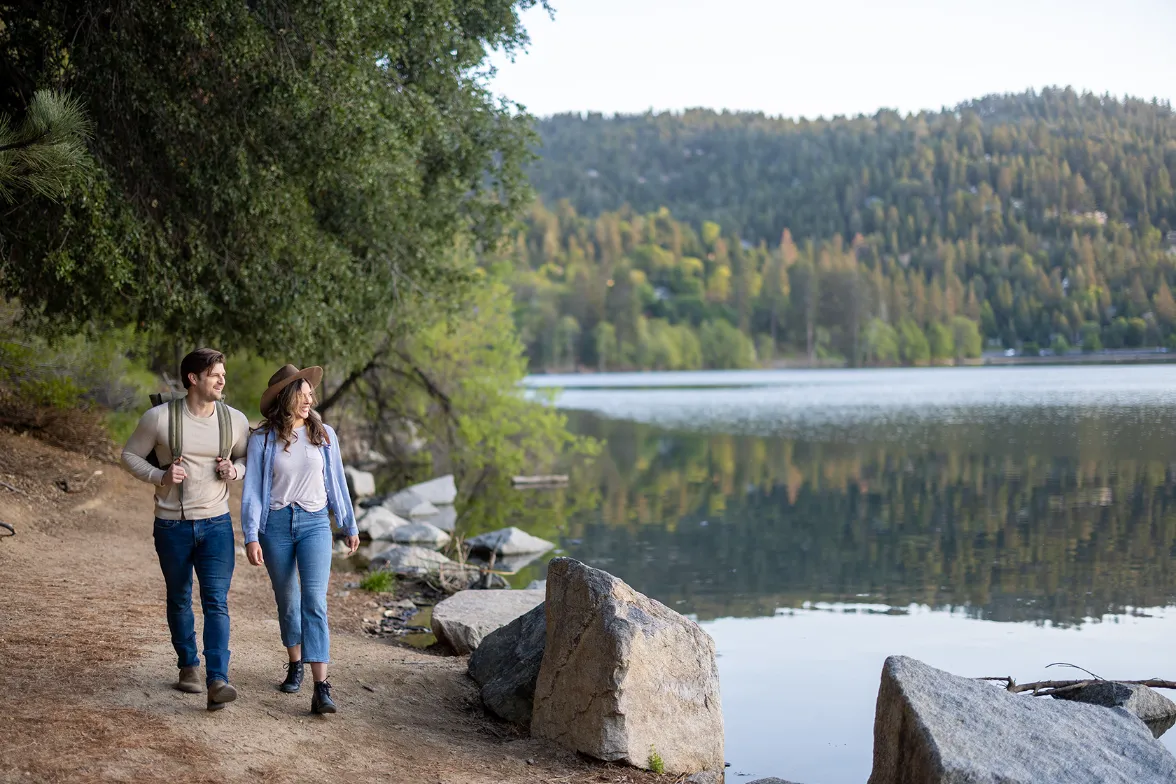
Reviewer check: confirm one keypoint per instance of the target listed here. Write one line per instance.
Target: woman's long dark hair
(280, 419)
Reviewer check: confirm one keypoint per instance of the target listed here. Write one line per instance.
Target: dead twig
(1047, 688)
(13, 489)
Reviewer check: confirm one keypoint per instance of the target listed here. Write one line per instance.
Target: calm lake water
(988, 521)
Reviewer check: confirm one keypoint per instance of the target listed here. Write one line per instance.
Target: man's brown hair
(199, 361)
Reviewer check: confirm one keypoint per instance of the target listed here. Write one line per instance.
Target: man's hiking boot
(190, 680)
(322, 702)
(293, 680)
(220, 693)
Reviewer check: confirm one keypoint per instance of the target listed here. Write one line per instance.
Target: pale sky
(827, 57)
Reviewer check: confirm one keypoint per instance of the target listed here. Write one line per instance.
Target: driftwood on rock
(1050, 688)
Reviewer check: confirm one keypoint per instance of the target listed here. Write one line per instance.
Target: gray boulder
(509, 541)
(362, 483)
(420, 533)
(441, 491)
(1156, 710)
(406, 503)
(537, 585)
(462, 620)
(409, 560)
(933, 727)
(622, 673)
(506, 665)
(379, 523)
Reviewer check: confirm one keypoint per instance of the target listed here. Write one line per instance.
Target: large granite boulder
(379, 523)
(506, 665)
(462, 620)
(509, 541)
(441, 491)
(409, 560)
(622, 674)
(361, 483)
(406, 503)
(1156, 710)
(934, 727)
(421, 533)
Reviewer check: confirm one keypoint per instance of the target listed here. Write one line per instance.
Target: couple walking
(293, 476)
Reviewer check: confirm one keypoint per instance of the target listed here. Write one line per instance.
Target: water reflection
(1044, 520)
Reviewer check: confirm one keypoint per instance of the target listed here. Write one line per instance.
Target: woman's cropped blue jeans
(297, 549)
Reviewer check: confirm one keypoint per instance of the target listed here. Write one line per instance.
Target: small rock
(769, 780)
(419, 533)
(1155, 709)
(409, 560)
(445, 519)
(408, 504)
(462, 620)
(441, 491)
(362, 483)
(506, 665)
(379, 523)
(509, 541)
(537, 585)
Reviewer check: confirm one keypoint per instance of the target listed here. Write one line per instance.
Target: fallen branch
(13, 489)
(1047, 688)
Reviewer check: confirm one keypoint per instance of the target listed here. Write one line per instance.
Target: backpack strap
(224, 423)
(175, 440)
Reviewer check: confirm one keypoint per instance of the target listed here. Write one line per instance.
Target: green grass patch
(656, 763)
(379, 582)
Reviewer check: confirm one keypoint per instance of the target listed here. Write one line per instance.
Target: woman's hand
(253, 553)
(352, 543)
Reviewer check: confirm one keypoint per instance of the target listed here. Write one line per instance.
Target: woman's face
(303, 400)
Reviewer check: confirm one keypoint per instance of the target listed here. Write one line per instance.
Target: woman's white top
(298, 475)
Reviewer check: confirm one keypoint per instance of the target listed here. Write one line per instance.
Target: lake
(988, 521)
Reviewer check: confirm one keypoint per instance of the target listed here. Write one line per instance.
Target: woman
(297, 481)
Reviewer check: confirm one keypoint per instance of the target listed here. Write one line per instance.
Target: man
(193, 529)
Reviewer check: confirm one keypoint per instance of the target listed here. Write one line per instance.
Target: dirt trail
(86, 665)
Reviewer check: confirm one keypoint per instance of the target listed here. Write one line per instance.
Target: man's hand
(175, 473)
(352, 543)
(253, 553)
(225, 470)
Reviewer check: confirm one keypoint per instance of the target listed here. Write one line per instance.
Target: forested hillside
(729, 240)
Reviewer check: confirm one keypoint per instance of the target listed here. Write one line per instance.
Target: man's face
(211, 383)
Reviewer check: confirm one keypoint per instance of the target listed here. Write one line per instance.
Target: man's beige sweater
(204, 494)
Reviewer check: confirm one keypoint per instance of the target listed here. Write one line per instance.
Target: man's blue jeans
(297, 549)
(205, 546)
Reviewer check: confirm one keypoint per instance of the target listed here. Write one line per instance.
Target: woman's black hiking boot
(293, 680)
(322, 702)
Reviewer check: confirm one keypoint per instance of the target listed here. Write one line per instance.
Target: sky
(830, 57)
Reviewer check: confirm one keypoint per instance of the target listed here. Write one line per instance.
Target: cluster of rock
(422, 515)
(932, 727)
(601, 669)
(416, 560)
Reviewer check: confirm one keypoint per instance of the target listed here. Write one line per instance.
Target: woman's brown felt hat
(286, 376)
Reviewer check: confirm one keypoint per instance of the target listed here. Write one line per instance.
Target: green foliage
(46, 153)
(941, 342)
(293, 228)
(912, 343)
(452, 380)
(379, 582)
(725, 347)
(1029, 215)
(966, 338)
(655, 762)
(881, 342)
